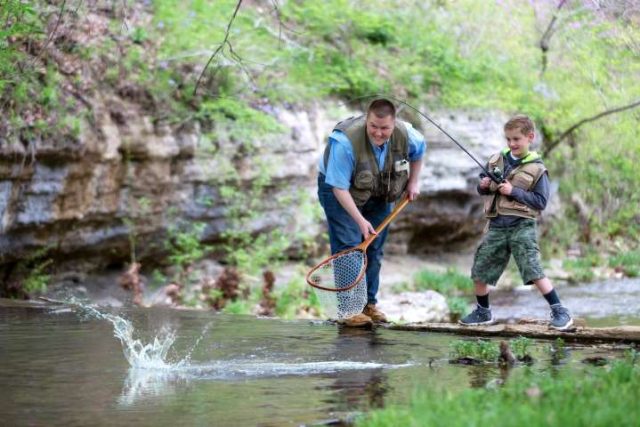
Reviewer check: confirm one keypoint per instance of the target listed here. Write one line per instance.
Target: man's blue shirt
(342, 161)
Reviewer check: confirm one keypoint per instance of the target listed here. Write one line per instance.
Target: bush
(449, 283)
(628, 263)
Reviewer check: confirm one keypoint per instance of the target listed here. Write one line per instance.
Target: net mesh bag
(341, 285)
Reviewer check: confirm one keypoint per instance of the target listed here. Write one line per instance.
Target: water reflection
(150, 383)
(481, 376)
(355, 389)
(244, 371)
(354, 362)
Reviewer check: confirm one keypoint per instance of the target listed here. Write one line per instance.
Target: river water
(78, 365)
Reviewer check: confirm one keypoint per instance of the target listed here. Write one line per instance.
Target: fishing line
(495, 175)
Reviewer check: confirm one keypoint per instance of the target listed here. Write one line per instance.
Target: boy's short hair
(522, 122)
(381, 108)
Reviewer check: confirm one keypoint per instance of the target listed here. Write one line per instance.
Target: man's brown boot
(357, 320)
(375, 314)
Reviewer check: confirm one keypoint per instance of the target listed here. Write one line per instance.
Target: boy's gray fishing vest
(525, 176)
(367, 181)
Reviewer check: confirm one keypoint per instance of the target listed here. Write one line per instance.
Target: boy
(511, 208)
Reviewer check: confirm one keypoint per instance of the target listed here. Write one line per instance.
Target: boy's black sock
(552, 297)
(483, 300)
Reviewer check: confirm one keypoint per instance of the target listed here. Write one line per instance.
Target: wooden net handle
(363, 246)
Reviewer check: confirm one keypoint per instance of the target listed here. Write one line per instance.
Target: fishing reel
(497, 173)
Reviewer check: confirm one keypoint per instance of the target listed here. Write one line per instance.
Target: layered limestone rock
(127, 180)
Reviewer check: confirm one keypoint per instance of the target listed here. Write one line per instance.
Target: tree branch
(50, 38)
(598, 116)
(546, 37)
(219, 48)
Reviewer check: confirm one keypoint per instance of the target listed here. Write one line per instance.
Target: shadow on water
(197, 368)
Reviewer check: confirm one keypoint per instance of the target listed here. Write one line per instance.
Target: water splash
(140, 355)
(151, 374)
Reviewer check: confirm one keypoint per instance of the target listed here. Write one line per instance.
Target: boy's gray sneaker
(479, 316)
(560, 318)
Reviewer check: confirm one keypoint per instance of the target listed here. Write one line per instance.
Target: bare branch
(46, 44)
(546, 37)
(124, 12)
(220, 47)
(569, 131)
(276, 10)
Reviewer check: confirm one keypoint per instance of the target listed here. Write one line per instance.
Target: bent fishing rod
(495, 175)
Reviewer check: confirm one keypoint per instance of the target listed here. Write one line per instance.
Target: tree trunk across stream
(533, 329)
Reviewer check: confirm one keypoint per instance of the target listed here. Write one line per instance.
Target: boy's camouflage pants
(493, 253)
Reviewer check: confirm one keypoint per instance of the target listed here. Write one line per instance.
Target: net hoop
(361, 248)
(363, 270)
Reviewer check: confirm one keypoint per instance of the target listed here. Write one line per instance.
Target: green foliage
(185, 245)
(247, 250)
(236, 121)
(528, 398)
(239, 306)
(38, 279)
(557, 350)
(458, 307)
(581, 269)
(521, 347)
(627, 262)
(476, 55)
(33, 274)
(158, 278)
(30, 85)
(480, 349)
(295, 296)
(601, 174)
(139, 35)
(488, 351)
(449, 283)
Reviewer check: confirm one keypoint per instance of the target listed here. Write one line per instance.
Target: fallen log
(531, 329)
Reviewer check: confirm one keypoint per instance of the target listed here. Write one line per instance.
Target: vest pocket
(505, 202)
(522, 180)
(397, 185)
(364, 180)
(363, 186)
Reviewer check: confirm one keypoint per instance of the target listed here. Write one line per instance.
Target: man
(368, 163)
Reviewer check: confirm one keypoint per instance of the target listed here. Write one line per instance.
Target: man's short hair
(522, 122)
(381, 108)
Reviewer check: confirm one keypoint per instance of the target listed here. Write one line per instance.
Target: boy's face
(518, 142)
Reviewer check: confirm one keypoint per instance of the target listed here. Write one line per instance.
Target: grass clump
(628, 263)
(448, 283)
(581, 269)
(452, 284)
(528, 398)
(481, 350)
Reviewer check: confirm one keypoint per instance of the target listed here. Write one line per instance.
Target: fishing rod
(495, 175)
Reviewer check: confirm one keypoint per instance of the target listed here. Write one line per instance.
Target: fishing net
(340, 283)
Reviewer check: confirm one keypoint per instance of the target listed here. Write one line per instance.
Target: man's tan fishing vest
(525, 176)
(367, 181)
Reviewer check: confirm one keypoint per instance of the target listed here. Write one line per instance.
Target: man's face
(379, 129)
(517, 142)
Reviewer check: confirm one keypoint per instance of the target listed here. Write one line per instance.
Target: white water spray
(151, 355)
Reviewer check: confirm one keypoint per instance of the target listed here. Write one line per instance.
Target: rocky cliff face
(83, 201)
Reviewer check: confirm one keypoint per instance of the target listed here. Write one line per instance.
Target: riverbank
(610, 302)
